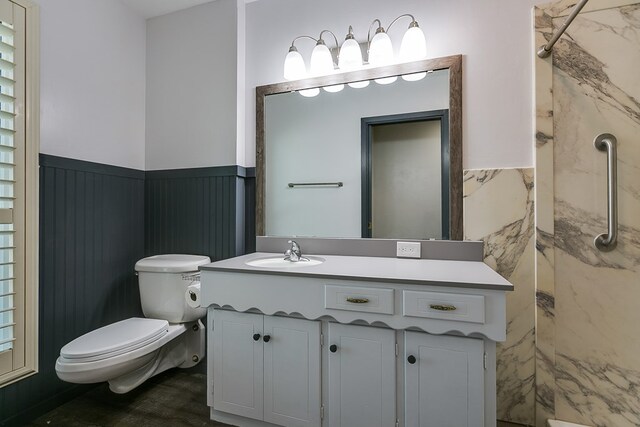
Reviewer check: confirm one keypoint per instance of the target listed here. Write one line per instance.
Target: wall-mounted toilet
(128, 352)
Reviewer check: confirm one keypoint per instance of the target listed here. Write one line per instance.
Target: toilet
(128, 352)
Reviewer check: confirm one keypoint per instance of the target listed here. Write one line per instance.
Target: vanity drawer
(356, 298)
(436, 305)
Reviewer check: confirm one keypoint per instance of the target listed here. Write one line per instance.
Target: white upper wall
(92, 81)
(192, 87)
(495, 37)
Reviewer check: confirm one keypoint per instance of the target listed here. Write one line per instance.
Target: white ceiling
(150, 8)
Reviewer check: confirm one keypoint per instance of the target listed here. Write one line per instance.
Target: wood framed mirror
(297, 212)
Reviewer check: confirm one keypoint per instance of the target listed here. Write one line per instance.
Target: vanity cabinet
(354, 352)
(267, 368)
(362, 376)
(443, 380)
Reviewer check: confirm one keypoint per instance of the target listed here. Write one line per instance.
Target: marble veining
(576, 378)
(499, 210)
(587, 346)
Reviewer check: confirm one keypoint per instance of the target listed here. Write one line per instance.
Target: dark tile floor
(174, 398)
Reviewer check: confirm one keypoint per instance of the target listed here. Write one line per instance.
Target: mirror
(381, 161)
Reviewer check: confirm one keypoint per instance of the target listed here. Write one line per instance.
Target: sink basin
(280, 262)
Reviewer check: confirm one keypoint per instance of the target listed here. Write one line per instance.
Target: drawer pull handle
(357, 300)
(442, 307)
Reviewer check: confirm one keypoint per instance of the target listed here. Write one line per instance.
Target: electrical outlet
(408, 249)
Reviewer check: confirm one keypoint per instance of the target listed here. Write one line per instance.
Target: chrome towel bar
(316, 184)
(607, 142)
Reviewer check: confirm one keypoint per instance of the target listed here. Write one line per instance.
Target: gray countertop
(467, 274)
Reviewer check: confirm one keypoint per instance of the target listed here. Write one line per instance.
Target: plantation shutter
(12, 186)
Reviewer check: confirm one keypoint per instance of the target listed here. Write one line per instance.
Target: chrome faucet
(294, 254)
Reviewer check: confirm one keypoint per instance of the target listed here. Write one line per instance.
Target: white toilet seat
(91, 362)
(114, 339)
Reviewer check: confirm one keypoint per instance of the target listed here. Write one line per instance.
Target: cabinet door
(237, 363)
(362, 376)
(292, 372)
(444, 381)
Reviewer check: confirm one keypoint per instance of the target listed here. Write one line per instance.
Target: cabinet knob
(256, 337)
(333, 348)
(411, 359)
(266, 338)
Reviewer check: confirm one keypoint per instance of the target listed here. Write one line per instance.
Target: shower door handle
(607, 241)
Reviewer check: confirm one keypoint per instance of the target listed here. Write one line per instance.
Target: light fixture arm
(413, 23)
(298, 38)
(378, 30)
(334, 37)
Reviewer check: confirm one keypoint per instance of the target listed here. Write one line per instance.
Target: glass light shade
(294, 68)
(414, 77)
(380, 50)
(321, 61)
(414, 45)
(322, 64)
(350, 59)
(309, 93)
(381, 53)
(359, 85)
(333, 88)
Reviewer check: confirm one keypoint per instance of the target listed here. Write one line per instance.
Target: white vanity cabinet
(362, 376)
(267, 368)
(300, 349)
(443, 380)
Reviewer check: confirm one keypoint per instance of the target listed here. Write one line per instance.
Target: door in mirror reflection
(403, 177)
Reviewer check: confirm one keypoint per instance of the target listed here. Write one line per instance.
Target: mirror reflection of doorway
(405, 176)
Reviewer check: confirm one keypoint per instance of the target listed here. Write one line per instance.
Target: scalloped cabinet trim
(432, 309)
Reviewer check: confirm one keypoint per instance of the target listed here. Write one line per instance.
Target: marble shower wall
(499, 210)
(588, 369)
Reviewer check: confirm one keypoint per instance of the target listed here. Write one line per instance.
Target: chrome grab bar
(607, 142)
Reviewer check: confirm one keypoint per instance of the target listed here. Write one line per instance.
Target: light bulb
(309, 93)
(294, 68)
(414, 44)
(380, 54)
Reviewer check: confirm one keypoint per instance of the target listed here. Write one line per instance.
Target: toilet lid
(116, 338)
(172, 263)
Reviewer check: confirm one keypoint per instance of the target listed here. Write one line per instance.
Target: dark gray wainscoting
(200, 211)
(91, 235)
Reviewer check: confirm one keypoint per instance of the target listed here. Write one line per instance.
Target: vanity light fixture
(379, 49)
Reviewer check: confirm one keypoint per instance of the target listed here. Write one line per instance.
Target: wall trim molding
(233, 170)
(105, 169)
(92, 167)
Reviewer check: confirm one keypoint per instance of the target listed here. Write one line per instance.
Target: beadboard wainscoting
(91, 235)
(199, 211)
